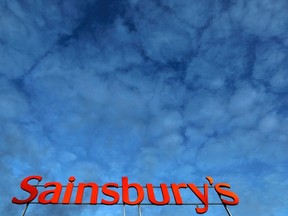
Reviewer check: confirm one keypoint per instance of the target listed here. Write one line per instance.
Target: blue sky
(159, 91)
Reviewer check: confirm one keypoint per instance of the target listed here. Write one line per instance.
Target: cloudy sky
(156, 90)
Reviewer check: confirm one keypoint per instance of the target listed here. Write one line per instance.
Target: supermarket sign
(127, 193)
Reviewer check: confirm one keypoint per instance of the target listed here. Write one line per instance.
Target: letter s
(111, 193)
(32, 190)
(227, 193)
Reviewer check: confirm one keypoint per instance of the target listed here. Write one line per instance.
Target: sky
(161, 91)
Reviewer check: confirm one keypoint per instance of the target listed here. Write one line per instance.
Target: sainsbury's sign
(54, 193)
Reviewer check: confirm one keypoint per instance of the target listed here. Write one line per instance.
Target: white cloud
(164, 91)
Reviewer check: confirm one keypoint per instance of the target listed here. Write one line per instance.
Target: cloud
(160, 91)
